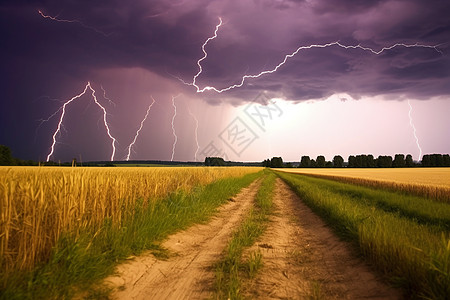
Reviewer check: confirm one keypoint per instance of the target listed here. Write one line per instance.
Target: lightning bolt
(73, 21)
(173, 126)
(106, 98)
(113, 140)
(243, 79)
(196, 133)
(205, 54)
(60, 124)
(414, 130)
(42, 121)
(139, 130)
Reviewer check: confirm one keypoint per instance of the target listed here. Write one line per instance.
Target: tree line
(353, 161)
(364, 161)
(6, 158)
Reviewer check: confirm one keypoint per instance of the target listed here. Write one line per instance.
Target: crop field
(428, 182)
(436, 177)
(407, 237)
(38, 205)
(65, 231)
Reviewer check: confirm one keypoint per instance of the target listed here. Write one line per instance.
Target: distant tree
(214, 161)
(360, 161)
(388, 161)
(266, 163)
(6, 158)
(433, 160)
(409, 161)
(320, 161)
(446, 159)
(351, 161)
(328, 164)
(439, 160)
(426, 161)
(363, 161)
(371, 161)
(276, 162)
(384, 161)
(313, 164)
(305, 162)
(288, 165)
(399, 161)
(338, 161)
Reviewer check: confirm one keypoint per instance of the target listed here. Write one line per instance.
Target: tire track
(188, 274)
(303, 259)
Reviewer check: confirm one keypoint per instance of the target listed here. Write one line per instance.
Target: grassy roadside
(77, 263)
(435, 193)
(422, 210)
(414, 255)
(231, 270)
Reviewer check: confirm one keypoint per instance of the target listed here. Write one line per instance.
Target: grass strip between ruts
(231, 270)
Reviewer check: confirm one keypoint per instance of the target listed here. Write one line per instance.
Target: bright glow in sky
(349, 127)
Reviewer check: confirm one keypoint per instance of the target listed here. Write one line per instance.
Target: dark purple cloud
(164, 37)
(41, 56)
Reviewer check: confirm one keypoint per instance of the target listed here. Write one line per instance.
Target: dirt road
(302, 259)
(188, 274)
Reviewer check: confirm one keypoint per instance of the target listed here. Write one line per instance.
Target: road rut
(188, 274)
(303, 259)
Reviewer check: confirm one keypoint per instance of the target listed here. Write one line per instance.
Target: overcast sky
(327, 100)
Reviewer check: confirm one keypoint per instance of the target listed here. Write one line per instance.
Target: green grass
(412, 247)
(422, 210)
(439, 194)
(232, 269)
(80, 264)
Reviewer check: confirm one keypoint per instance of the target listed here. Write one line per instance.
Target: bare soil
(303, 259)
(188, 274)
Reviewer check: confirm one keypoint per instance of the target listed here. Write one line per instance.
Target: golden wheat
(432, 183)
(37, 204)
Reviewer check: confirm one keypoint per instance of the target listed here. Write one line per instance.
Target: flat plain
(224, 232)
(437, 177)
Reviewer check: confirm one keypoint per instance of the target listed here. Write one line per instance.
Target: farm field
(405, 236)
(51, 211)
(216, 232)
(433, 183)
(437, 177)
(263, 244)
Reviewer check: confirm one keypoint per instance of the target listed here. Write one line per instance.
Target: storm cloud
(165, 37)
(41, 55)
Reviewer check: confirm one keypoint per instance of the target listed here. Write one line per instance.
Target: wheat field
(38, 204)
(438, 177)
(433, 183)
